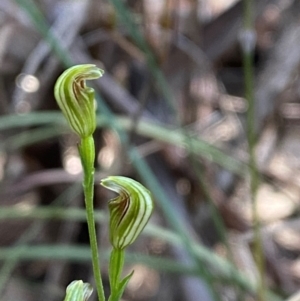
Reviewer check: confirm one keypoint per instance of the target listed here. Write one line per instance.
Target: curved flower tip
(129, 212)
(76, 100)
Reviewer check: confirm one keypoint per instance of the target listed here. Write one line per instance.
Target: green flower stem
(87, 155)
(116, 264)
(117, 285)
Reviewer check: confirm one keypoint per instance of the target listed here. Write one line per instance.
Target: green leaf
(123, 283)
(118, 291)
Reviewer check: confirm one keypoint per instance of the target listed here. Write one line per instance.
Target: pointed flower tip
(129, 212)
(76, 100)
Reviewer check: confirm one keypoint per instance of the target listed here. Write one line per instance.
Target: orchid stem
(87, 154)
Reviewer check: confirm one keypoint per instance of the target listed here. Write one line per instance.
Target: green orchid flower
(76, 100)
(129, 212)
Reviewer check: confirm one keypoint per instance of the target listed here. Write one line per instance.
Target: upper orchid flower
(76, 100)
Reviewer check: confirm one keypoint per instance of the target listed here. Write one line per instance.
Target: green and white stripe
(78, 291)
(129, 212)
(76, 100)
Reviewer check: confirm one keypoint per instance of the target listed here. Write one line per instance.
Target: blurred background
(199, 102)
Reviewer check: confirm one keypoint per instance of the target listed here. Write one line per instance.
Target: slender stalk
(87, 154)
(248, 45)
(115, 269)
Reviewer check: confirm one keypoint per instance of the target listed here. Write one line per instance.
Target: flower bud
(76, 100)
(78, 291)
(129, 212)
